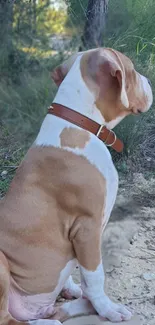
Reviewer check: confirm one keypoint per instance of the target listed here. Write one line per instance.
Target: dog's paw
(111, 311)
(71, 290)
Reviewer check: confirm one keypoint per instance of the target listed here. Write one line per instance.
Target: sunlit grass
(38, 52)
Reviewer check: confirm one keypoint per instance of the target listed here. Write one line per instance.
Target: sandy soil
(129, 248)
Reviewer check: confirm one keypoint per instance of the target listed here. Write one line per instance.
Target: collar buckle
(100, 130)
(115, 138)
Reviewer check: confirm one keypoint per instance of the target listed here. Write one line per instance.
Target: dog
(59, 202)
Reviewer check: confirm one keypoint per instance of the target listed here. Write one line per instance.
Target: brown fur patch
(104, 71)
(74, 138)
(98, 76)
(5, 317)
(54, 208)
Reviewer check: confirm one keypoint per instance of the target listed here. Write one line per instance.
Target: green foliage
(130, 25)
(24, 103)
(11, 153)
(26, 89)
(76, 14)
(54, 22)
(37, 19)
(119, 18)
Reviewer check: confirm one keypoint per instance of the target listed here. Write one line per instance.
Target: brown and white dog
(61, 197)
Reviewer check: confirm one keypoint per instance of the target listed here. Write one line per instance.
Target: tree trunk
(6, 20)
(95, 24)
(34, 17)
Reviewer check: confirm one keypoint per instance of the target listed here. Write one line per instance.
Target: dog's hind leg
(5, 317)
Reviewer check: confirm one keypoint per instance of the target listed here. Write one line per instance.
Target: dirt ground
(129, 248)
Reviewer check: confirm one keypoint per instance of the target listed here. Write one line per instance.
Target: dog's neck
(74, 94)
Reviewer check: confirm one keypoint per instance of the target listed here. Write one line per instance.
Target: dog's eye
(149, 82)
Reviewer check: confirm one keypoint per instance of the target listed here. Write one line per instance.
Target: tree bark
(95, 24)
(34, 17)
(6, 23)
(6, 18)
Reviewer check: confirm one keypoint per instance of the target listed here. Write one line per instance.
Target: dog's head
(119, 90)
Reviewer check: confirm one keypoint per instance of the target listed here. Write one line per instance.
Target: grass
(11, 154)
(137, 133)
(24, 99)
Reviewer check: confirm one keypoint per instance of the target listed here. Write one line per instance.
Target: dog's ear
(117, 71)
(60, 72)
(107, 68)
(58, 75)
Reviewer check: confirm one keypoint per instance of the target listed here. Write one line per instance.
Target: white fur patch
(148, 92)
(72, 289)
(78, 307)
(110, 125)
(74, 94)
(93, 289)
(92, 282)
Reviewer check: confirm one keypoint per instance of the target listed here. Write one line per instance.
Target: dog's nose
(136, 111)
(149, 82)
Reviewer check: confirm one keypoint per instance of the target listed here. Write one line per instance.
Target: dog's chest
(93, 150)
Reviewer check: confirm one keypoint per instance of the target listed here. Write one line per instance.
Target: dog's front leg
(87, 246)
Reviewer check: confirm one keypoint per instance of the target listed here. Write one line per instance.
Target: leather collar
(107, 136)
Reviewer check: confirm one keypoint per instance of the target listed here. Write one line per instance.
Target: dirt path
(129, 248)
